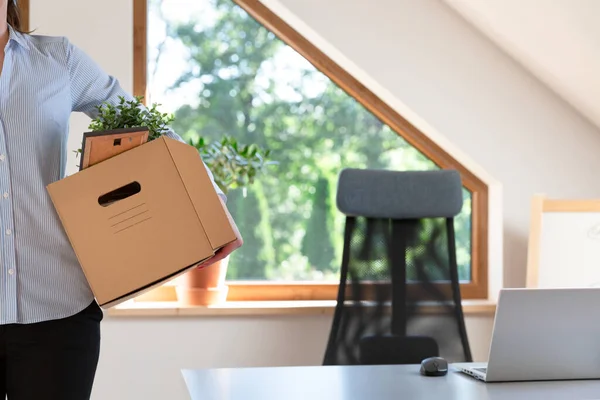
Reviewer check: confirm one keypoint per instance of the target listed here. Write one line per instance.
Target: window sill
(257, 308)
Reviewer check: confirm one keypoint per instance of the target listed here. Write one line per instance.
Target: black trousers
(54, 360)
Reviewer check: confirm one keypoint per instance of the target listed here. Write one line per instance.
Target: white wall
(555, 39)
(429, 61)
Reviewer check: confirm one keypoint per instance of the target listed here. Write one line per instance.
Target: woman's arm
(91, 86)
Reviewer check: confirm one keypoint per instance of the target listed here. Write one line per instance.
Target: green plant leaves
(131, 114)
(233, 165)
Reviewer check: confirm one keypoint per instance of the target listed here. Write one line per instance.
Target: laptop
(542, 334)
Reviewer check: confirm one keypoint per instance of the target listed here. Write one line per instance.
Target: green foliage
(319, 239)
(256, 258)
(233, 165)
(131, 114)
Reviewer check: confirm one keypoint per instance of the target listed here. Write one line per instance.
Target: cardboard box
(141, 218)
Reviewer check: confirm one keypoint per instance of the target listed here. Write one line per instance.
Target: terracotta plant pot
(203, 287)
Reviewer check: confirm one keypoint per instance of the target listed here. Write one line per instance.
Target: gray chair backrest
(389, 194)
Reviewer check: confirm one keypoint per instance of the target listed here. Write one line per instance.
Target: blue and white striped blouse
(43, 80)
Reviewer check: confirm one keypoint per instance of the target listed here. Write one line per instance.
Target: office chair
(399, 295)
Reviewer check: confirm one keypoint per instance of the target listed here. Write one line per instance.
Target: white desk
(369, 383)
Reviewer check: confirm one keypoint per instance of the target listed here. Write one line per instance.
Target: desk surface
(369, 382)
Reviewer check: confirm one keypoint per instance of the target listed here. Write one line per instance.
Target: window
(235, 68)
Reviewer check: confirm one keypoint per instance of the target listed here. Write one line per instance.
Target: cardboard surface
(186, 161)
(140, 218)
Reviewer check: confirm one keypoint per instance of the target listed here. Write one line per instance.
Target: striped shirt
(43, 80)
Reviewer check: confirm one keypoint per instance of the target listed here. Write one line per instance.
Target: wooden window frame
(477, 288)
(24, 13)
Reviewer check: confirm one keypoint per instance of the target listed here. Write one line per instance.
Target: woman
(49, 321)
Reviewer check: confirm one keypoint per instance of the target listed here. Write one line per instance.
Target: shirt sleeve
(91, 86)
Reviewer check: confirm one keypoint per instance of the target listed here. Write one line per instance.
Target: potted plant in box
(233, 166)
(130, 114)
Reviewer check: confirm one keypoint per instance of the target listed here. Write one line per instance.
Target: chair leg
(456, 290)
(331, 349)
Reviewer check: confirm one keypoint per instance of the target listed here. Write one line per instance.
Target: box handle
(119, 194)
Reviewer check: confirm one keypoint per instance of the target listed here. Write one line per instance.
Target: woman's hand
(226, 250)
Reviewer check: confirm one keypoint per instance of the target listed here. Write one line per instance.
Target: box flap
(196, 180)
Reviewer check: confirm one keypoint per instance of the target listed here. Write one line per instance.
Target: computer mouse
(434, 366)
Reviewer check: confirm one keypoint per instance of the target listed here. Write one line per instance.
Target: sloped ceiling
(558, 41)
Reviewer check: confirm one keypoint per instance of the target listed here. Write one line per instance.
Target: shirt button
(2, 157)
(11, 271)
(8, 231)
(5, 195)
